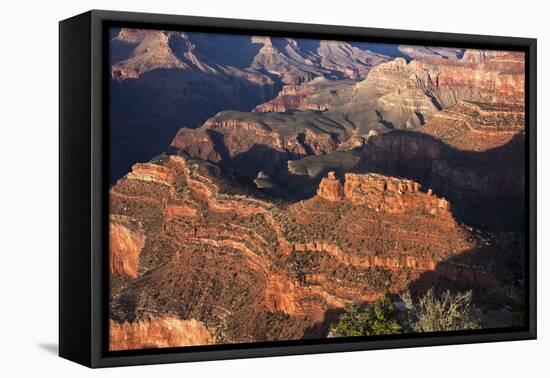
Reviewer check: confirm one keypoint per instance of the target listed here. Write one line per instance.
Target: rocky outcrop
(152, 172)
(251, 142)
(126, 240)
(382, 193)
(228, 135)
(174, 171)
(448, 83)
(158, 332)
(151, 51)
(291, 97)
(393, 195)
(484, 56)
(331, 188)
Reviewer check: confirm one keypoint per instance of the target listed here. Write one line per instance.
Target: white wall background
(29, 187)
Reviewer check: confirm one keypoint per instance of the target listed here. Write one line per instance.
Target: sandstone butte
(194, 246)
(382, 193)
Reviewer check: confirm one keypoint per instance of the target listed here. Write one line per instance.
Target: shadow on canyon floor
(146, 113)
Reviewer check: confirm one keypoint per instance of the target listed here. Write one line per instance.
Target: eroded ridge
(247, 268)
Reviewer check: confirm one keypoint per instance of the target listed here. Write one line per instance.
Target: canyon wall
(382, 193)
(249, 269)
(492, 81)
(250, 142)
(467, 136)
(126, 240)
(291, 97)
(159, 332)
(471, 153)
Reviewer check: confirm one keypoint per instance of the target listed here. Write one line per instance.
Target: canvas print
(271, 189)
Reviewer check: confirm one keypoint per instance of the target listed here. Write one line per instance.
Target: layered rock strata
(248, 269)
(382, 193)
(158, 332)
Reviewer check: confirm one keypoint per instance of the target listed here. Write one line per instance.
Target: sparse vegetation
(514, 297)
(445, 312)
(378, 318)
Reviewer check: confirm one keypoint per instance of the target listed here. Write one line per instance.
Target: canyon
(472, 154)
(162, 81)
(251, 269)
(259, 185)
(324, 116)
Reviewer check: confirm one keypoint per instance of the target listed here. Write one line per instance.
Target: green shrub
(446, 312)
(378, 318)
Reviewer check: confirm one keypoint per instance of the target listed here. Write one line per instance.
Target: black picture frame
(84, 186)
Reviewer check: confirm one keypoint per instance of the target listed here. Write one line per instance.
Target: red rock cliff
(291, 97)
(126, 240)
(382, 193)
(159, 332)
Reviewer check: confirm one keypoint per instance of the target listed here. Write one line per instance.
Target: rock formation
(471, 153)
(126, 241)
(162, 81)
(159, 332)
(305, 175)
(294, 61)
(291, 97)
(382, 193)
(216, 253)
(331, 188)
(254, 142)
(150, 51)
(395, 94)
(430, 53)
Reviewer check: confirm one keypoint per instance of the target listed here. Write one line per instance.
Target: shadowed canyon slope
(472, 154)
(462, 103)
(162, 81)
(262, 184)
